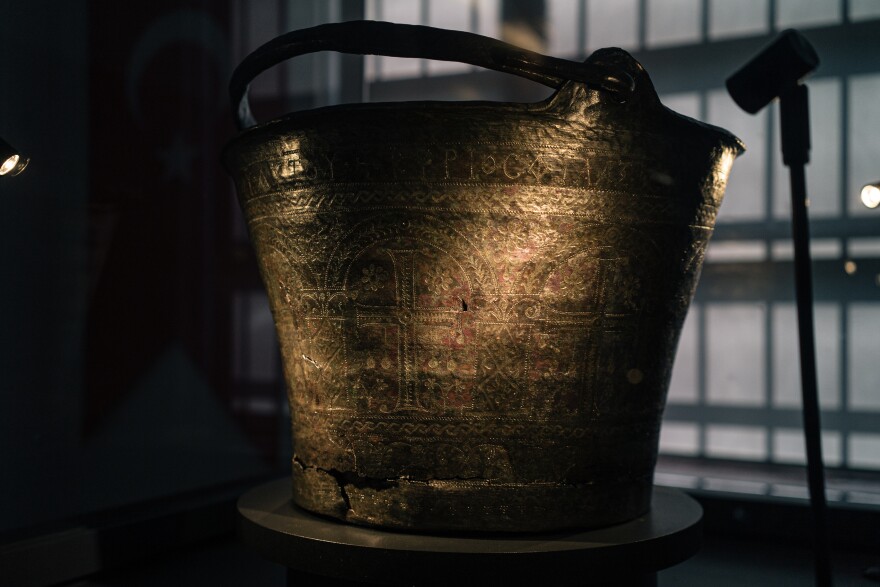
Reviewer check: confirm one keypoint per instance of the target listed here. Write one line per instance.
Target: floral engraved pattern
(439, 281)
(373, 277)
(627, 285)
(579, 277)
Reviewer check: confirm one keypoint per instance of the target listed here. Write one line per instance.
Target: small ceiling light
(871, 195)
(11, 161)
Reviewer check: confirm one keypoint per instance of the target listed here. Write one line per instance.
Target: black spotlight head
(772, 71)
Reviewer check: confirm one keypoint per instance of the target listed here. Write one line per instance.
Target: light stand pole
(774, 73)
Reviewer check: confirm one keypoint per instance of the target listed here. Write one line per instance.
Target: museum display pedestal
(338, 553)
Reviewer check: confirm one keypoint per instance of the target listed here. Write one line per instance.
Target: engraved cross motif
(407, 316)
(598, 304)
(595, 334)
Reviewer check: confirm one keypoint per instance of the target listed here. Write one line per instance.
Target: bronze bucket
(478, 304)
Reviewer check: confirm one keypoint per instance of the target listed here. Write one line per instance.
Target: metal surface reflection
(478, 304)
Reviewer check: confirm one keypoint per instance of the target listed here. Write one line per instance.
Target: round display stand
(626, 554)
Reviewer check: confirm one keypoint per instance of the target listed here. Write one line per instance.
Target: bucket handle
(364, 37)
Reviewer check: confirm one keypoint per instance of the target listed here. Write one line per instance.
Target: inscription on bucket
(478, 304)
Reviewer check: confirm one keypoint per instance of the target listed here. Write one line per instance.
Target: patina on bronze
(478, 304)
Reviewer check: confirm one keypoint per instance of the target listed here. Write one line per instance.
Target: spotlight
(871, 194)
(11, 161)
(773, 72)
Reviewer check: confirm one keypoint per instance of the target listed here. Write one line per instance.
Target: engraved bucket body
(478, 304)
